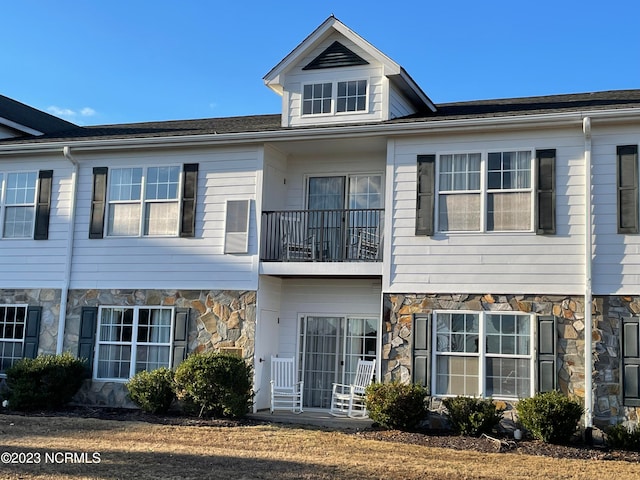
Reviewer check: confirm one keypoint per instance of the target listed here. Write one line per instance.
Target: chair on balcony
(297, 245)
(350, 399)
(286, 390)
(367, 244)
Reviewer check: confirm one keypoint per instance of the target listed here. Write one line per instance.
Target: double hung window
(330, 98)
(144, 199)
(12, 334)
(483, 354)
(485, 192)
(18, 200)
(133, 339)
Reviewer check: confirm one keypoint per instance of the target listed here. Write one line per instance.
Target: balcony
(351, 235)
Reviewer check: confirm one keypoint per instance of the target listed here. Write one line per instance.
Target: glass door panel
(326, 197)
(329, 351)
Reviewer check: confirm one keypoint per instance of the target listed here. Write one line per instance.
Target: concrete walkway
(316, 418)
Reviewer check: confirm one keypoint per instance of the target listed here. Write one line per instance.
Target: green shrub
(153, 391)
(214, 384)
(396, 405)
(46, 382)
(472, 416)
(551, 416)
(623, 438)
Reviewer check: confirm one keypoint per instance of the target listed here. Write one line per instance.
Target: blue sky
(121, 61)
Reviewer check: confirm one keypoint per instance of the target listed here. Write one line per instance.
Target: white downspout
(64, 294)
(588, 258)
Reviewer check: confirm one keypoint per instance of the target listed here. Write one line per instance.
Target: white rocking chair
(296, 244)
(349, 399)
(286, 390)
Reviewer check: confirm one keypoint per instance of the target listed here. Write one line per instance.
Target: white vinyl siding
(170, 261)
(616, 259)
(498, 262)
(29, 263)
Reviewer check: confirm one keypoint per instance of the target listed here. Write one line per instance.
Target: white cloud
(70, 114)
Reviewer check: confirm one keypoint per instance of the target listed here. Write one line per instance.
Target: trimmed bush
(550, 416)
(472, 416)
(44, 383)
(154, 391)
(396, 405)
(623, 438)
(215, 384)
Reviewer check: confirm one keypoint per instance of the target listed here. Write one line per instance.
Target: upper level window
(352, 96)
(144, 200)
(329, 98)
(18, 202)
(132, 339)
(490, 192)
(317, 99)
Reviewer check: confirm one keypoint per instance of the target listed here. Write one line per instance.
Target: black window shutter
(189, 199)
(421, 370)
(547, 377)
(43, 205)
(425, 194)
(180, 336)
(98, 202)
(87, 334)
(546, 191)
(631, 361)
(32, 332)
(627, 189)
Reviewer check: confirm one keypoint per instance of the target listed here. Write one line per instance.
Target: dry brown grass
(140, 450)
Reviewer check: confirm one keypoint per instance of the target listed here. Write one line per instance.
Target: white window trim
(334, 98)
(484, 190)
(142, 202)
(24, 330)
(134, 344)
(3, 206)
(482, 354)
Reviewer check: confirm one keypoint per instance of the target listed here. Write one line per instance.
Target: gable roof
(391, 69)
(29, 120)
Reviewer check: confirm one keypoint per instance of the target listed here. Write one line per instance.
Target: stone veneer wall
(608, 314)
(397, 324)
(49, 300)
(219, 319)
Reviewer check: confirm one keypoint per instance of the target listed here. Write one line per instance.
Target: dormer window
(318, 98)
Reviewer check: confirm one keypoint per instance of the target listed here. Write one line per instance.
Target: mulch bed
(436, 439)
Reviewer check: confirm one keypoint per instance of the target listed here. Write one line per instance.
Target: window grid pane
(19, 202)
(317, 98)
(12, 331)
(128, 333)
(351, 96)
(161, 219)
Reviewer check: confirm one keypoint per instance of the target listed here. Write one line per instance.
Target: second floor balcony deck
(347, 235)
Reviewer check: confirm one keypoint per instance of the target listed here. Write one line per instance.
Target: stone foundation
(218, 320)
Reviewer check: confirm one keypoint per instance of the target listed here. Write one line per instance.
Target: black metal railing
(351, 235)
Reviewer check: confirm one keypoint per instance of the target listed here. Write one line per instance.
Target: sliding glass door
(329, 351)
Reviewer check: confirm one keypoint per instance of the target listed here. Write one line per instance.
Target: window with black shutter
(627, 186)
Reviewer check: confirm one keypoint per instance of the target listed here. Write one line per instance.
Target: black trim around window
(627, 188)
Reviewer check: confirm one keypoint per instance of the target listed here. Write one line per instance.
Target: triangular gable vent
(336, 55)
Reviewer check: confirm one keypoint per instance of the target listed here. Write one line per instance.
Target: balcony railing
(352, 235)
